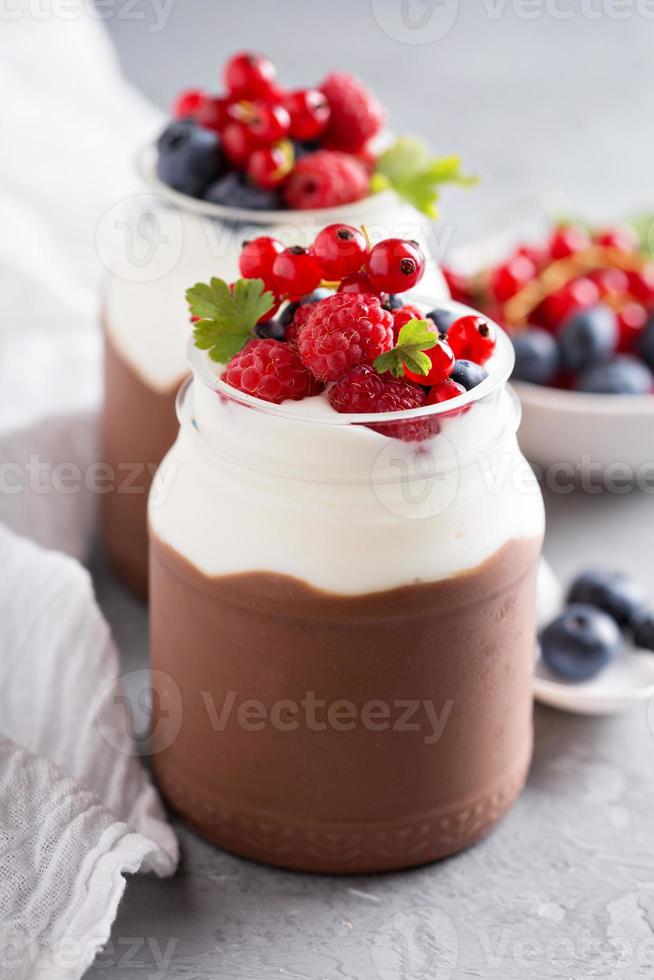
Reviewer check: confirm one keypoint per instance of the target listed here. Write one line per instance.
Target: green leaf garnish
(415, 337)
(409, 168)
(227, 316)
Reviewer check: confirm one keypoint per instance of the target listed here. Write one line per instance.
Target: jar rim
(501, 366)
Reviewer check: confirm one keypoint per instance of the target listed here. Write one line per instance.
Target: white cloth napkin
(77, 808)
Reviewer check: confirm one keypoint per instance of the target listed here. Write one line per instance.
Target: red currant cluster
(341, 256)
(579, 308)
(264, 130)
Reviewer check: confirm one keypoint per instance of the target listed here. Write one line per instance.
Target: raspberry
(325, 179)
(356, 115)
(300, 317)
(363, 390)
(343, 331)
(270, 370)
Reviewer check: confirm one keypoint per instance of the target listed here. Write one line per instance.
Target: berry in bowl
(579, 307)
(335, 533)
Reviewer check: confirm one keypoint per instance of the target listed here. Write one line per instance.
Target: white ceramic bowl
(581, 433)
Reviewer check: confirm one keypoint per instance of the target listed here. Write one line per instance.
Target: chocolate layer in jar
(343, 733)
(343, 624)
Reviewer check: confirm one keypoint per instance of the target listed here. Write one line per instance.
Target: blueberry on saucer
(580, 642)
(615, 593)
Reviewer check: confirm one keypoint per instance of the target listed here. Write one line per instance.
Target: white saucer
(626, 683)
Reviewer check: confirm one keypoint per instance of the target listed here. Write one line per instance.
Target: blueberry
(580, 642)
(442, 318)
(394, 302)
(624, 375)
(189, 157)
(236, 191)
(536, 356)
(588, 337)
(646, 344)
(270, 330)
(303, 148)
(288, 312)
(617, 594)
(644, 631)
(468, 374)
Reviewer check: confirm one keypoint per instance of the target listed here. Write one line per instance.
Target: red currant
(576, 295)
(610, 282)
(357, 283)
(309, 112)
(270, 165)
(188, 103)
(442, 364)
(444, 391)
(269, 123)
(238, 143)
(341, 250)
(641, 284)
(508, 279)
(567, 240)
(250, 76)
(632, 319)
(395, 265)
(472, 338)
(296, 272)
(460, 286)
(214, 114)
(622, 237)
(256, 259)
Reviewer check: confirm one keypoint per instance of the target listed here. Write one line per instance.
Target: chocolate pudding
(139, 426)
(337, 733)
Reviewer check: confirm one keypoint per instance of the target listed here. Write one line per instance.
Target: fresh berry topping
(269, 166)
(460, 286)
(296, 272)
(444, 391)
(622, 237)
(405, 315)
(309, 112)
(289, 311)
(250, 76)
(617, 594)
(610, 282)
(362, 390)
(189, 157)
(580, 642)
(341, 250)
(238, 143)
(641, 283)
(269, 122)
(343, 331)
(355, 114)
(270, 370)
(588, 337)
(237, 191)
(468, 375)
(325, 179)
(472, 338)
(623, 375)
(442, 318)
(442, 364)
(568, 240)
(213, 114)
(508, 279)
(632, 319)
(257, 257)
(188, 104)
(357, 283)
(395, 265)
(579, 294)
(536, 356)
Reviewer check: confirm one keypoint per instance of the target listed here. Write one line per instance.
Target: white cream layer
(341, 507)
(163, 250)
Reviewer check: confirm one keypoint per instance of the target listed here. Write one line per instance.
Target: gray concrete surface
(565, 886)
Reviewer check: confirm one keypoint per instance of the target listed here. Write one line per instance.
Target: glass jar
(156, 244)
(343, 623)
